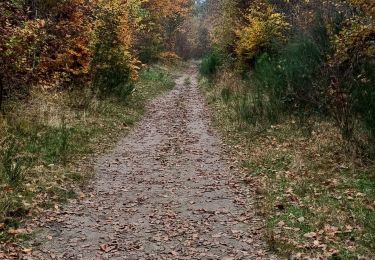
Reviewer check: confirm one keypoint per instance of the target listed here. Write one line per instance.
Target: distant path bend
(165, 192)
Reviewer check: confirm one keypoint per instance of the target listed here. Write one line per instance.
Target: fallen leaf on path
(107, 248)
(13, 231)
(27, 250)
(330, 230)
(310, 235)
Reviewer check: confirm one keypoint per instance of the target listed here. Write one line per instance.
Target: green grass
(13, 163)
(47, 141)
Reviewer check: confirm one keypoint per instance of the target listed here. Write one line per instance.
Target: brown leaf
(330, 230)
(14, 232)
(27, 250)
(82, 195)
(107, 248)
(310, 235)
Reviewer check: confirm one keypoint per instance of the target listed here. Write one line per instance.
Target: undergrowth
(316, 194)
(210, 64)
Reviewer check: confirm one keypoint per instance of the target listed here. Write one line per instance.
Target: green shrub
(301, 63)
(291, 80)
(292, 74)
(112, 76)
(352, 91)
(353, 106)
(270, 80)
(246, 109)
(210, 64)
(363, 97)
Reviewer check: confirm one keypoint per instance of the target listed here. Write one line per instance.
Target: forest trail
(166, 191)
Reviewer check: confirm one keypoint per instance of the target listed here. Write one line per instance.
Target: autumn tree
(352, 69)
(70, 43)
(19, 39)
(44, 43)
(162, 22)
(113, 66)
(264, 28)
(66, 54)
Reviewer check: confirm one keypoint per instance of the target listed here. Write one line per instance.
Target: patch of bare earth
(167, 191)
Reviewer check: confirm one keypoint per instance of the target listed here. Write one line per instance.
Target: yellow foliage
(121, 10)
(354, 42)
(169, 56)
(221, 26)
(366, 6)
(169, 8)
(134, 65)
(263, 27)
(128, 24)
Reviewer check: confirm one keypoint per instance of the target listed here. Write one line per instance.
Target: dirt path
(165, 192)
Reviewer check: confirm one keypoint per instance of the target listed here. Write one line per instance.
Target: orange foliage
(67, 50)
(168, 8)
(51, 42)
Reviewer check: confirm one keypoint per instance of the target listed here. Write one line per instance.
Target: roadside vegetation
(74, 76)
(48, 144)
(317, 197)
(291, 88)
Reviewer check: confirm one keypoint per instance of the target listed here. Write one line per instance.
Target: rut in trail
(165, 192)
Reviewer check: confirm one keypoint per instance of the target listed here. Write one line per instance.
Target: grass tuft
(13, 163)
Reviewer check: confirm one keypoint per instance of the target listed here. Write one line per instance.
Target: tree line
(80, 43)
(306, 58)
